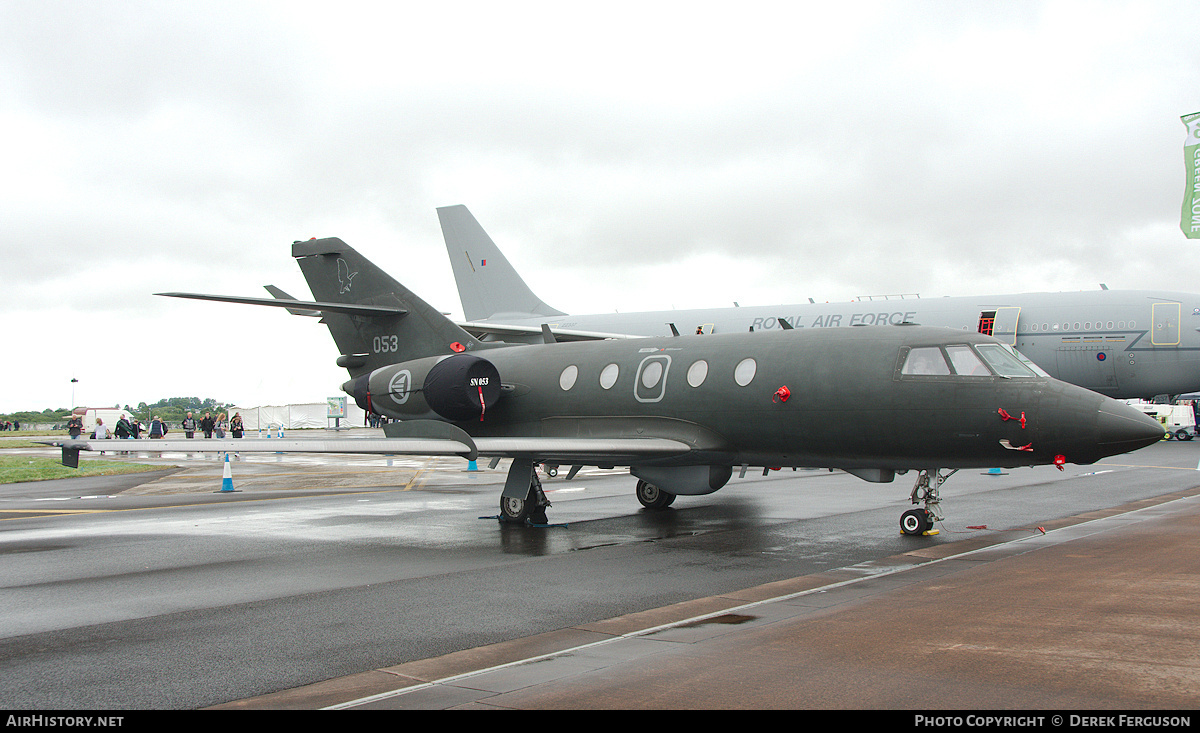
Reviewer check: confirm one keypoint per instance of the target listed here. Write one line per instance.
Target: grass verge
(18, 468)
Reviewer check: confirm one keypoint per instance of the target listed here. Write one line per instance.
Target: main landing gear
(653, 497)
(532, 508)
(927, 490)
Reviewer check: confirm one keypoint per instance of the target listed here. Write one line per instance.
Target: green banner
(1190, 220)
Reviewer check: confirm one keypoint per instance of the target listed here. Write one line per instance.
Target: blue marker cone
(227, 477)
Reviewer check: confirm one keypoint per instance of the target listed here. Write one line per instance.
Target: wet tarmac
(1095, 615)
(346, 582)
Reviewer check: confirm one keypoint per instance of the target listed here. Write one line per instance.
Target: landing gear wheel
(653, 497)
(531, 509)
(926, 490)
(513, 510)
(915, 522)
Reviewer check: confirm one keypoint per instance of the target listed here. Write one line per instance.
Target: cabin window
(1003, 362)
(1027, 362)
(651, 374)
(925, 360)
(697, 373)
(743, 373)
(965, 362)
(608, 376)
(566, 380)
(650, 382)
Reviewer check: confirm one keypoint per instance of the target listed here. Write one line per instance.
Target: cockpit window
(966, 362)
(1028, 362)
(925, 360)
(1004, 362)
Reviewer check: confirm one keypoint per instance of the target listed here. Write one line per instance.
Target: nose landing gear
(926, 490)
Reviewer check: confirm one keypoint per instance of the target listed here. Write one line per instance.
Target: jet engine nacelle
(454, 388)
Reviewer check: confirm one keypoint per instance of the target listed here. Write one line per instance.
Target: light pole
(73, 382)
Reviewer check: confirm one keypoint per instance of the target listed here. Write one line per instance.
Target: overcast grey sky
(624, 155)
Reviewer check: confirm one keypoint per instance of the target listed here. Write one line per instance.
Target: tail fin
(401, 327)
(487, 284)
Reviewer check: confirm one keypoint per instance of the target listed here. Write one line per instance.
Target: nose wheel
(925, 491)
(915, 522)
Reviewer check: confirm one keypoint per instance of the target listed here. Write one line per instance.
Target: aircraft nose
(1121, 428)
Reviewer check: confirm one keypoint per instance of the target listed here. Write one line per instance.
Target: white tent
(294, 417)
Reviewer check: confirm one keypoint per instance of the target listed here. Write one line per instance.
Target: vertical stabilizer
(405, 327)
(487, 284)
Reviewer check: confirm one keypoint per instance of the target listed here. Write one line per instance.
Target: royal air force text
(834, 320)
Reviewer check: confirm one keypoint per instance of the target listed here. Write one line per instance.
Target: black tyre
(915, 522)
(653, 497)
(513, 510)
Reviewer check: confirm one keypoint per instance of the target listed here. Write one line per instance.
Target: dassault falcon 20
(684, 412)
(1120, 343)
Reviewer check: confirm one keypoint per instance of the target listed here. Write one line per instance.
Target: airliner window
(697, 372)
(966, 363)
(1002, 361)
(925, 360)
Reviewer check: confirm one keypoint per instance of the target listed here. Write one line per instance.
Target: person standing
(101, 431)
(157, 428)
(189, 426)
(74, 427)
(222, 424)
(236, 426)
(207, 424)
(124, 430)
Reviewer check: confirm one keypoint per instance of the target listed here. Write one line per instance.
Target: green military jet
(684, 412)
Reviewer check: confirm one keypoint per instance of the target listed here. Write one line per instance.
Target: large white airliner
(1120, 343)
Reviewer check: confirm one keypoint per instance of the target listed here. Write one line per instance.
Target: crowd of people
(128, 427)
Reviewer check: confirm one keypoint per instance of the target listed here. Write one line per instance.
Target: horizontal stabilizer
(292, 305)
(281, 295)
